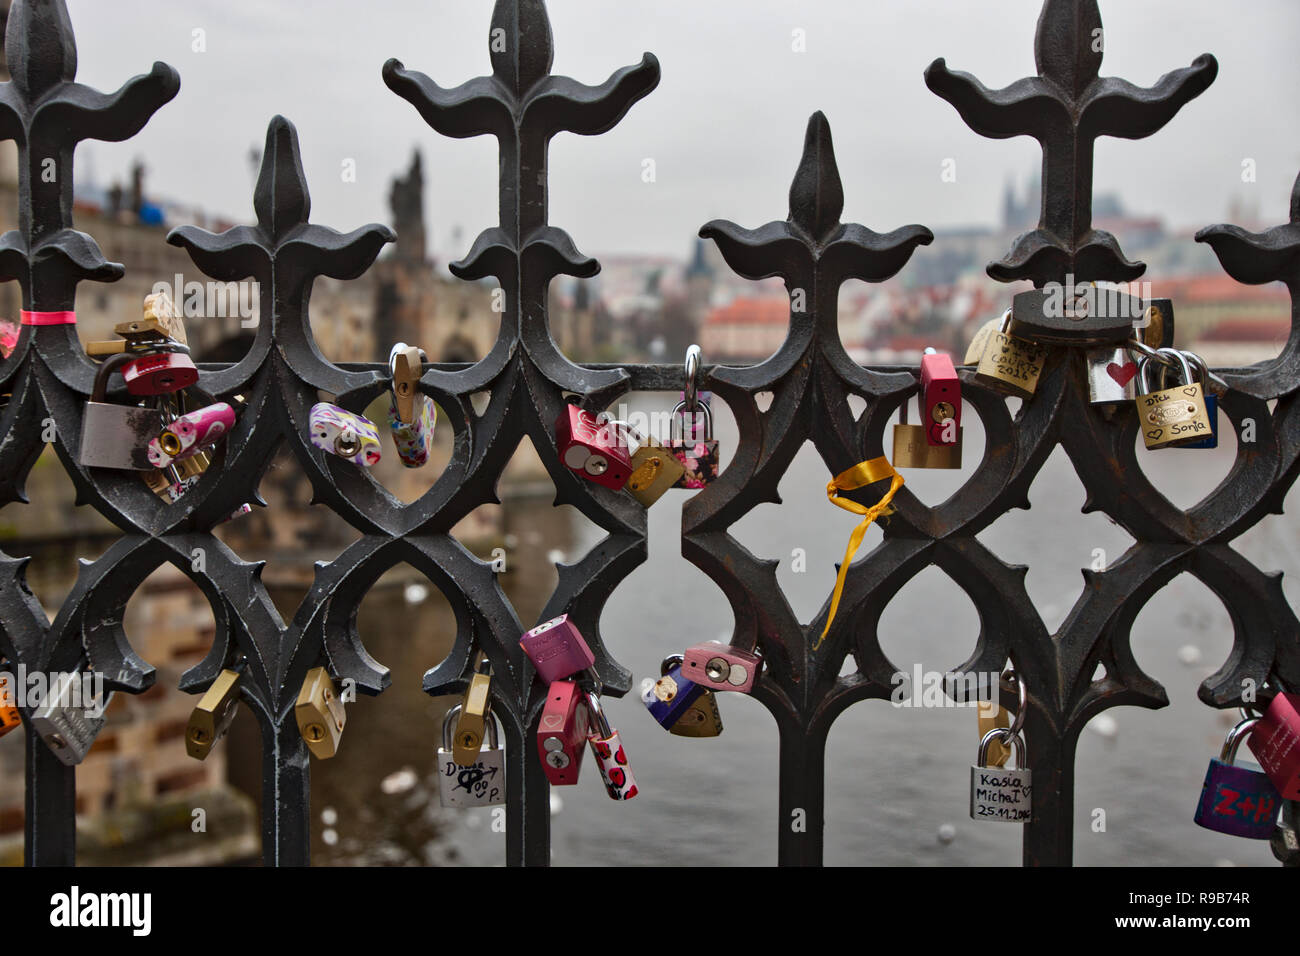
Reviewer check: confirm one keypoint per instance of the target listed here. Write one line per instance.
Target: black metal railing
(810, 378)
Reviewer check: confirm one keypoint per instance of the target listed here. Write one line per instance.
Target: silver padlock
(70, 717)
(480, 784)
(1112, 376)
(998, 793)
(116, 436)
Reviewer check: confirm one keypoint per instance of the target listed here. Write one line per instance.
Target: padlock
(1237, 800)
(611, 756)
(940, 399)
(473, 714)
(697, 454)
(9, 715)
(999, 794)
(1202, 371)
(1171, 417)
(557, 649)
(1112, 375)
(115, 436)
(912, 448)
(70, 716)
(599, 451)
(213, 715)
(411, 416)
(1275, 742)
(655, 469)
(681, 706)
(166, 369)
(1008, 363)
(994, 718)
(719, 666)
(1076, 314)
(320, 714)
(477, 779)
(160, 320)
(191, 433)
(561, 733)
(342, 433)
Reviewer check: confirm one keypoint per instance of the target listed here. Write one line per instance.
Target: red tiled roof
(1249, 330)
(750, 311)
(1218, 288)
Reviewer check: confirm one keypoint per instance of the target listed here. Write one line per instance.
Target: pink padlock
(191, 433)
(556, 649)
(1275, 742)
(561, 732)
(611, 758)
(599, 451)
(721, 667)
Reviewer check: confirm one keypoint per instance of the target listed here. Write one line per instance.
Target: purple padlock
(557, 649)
(1237, 800)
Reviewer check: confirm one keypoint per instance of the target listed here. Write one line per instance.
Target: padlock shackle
(449, 722)
(596, 715)
(1009, 740)
(669, 662)
(677, 420)
(1185, 361)
(694, 357)
(99, 392)
(1233, 741)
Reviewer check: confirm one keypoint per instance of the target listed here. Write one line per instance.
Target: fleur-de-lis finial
(1256, 258)
(47, 113)
(284, 252)
(812, 250)
(1066, 107)
(523, 105)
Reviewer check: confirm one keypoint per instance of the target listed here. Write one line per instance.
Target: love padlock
(1237, 800)
(562, 731)
(169, 369)
(557, 649)
(1275, 742)
(340, 432)
(115, 436)
(213, 715)
(411, 416)
(721, 667)
(599, 451)
(320, 714)
(191, 433)
(940, 399)
(9, 715)
(681, 706)
(71, 716)
(1171, 417)
(476, 779)
(473, 715)
(655, 469)
(611, 757)
(1004, 362)
(999, 794)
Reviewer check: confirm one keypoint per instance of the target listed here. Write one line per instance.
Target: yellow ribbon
(859, 476)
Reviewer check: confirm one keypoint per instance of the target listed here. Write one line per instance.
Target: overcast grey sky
(725, 126)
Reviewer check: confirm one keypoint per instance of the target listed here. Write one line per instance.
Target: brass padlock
(1170, 417)
(213, 715)
(471, 724)
(912, 448)
(160, 320)
(655, 469)
(320, 714)
(1008, 363)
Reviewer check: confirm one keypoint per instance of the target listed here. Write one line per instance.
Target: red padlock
(600, 452)
(1275, 742)
(940, 398)
(562, 733)
(160, 373)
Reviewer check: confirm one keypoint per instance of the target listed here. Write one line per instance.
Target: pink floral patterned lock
(191, 433)
(611, 758)
(340, 432)
(698, 453)
(557, 649)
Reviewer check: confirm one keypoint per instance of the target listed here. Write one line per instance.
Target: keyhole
(315, 733)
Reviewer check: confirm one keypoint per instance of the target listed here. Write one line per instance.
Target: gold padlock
(655, 469)
(1007, 363)
(320, 714)
(9, 716)
(213, 715)
(475, 708)
(701, 719)
(160, 320)
(912, 448)
(1175, 416)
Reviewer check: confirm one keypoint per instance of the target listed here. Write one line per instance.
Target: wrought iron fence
(811, 378)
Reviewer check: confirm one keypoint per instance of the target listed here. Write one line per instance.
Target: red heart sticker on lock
(1122, 374)
(617, 777)
(620, 757)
